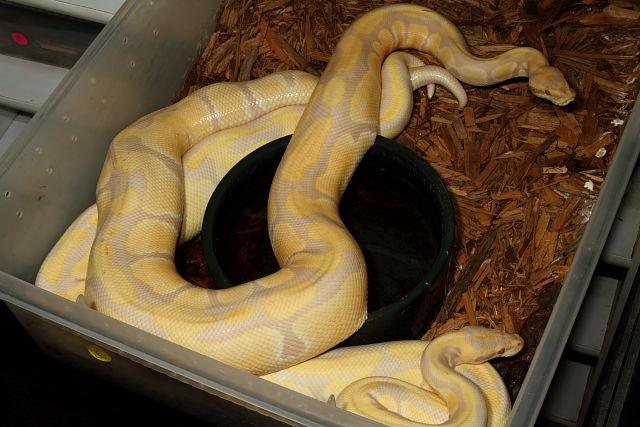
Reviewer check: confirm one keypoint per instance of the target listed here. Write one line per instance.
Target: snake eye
(547, 91)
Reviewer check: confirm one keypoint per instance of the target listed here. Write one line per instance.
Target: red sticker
(20, 38)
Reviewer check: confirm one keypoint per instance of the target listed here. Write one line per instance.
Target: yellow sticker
(99, 353)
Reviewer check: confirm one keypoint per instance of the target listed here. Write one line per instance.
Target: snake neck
(438, 363)
(471, 344)
(518, 62)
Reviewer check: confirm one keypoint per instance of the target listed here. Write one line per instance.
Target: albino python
(206, 163)
(318, 297)
(413, 382)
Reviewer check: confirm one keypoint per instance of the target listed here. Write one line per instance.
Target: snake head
(490, 343)
(513, 345)
(548, 83)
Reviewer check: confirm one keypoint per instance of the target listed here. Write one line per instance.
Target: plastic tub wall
(48, 176)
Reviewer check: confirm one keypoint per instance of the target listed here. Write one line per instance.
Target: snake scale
(272, 325)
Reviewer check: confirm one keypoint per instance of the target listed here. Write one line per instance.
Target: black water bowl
(397, 208)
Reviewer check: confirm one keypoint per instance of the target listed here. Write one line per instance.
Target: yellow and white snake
(403, 383)
(318, 297)
(206, 163)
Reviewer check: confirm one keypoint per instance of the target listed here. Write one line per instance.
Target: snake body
(64, 270)
(413, 382)
(318, 297)
(470, 345)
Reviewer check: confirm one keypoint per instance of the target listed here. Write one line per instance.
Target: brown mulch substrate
(523, 173)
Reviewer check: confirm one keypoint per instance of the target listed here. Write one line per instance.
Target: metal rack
(588, 386)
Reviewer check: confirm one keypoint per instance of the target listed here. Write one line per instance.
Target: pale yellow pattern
(145, 270)
(318, 298)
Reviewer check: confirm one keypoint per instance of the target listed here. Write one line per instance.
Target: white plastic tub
(48, 176)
